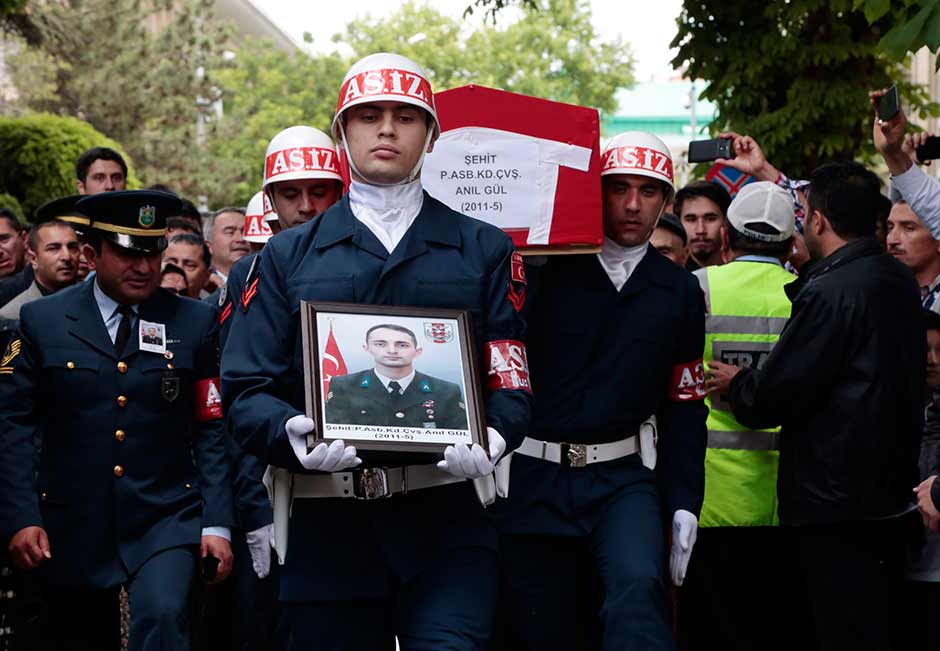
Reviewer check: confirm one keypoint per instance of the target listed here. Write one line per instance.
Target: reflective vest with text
(746, 309)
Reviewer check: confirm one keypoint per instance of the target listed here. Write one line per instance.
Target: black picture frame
(394, 438)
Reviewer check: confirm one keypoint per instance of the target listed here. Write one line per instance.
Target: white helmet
(269, 214)
(300, 153)
(641, 153)
(386, 77)
(256, 228)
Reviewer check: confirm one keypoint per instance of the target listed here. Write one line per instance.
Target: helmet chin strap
(415, 171)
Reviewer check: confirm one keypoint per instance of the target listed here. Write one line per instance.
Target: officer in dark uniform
(583, 503)
(421, 564)
(394, 394)
(133, 484)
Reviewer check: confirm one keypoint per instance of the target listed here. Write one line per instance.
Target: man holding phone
(920, 191)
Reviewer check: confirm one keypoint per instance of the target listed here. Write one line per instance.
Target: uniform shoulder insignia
(517, 282)
(329, 396)
(223, 293)
(251, 284)
(13, 349)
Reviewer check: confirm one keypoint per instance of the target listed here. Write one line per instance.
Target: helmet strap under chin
(415, 171)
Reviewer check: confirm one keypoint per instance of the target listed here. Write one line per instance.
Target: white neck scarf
(388, 211)
(620, 261)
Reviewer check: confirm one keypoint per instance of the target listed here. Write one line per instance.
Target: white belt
(578, 455)
(371, 483)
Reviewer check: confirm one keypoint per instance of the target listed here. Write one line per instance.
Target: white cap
(300, 152)
(256, 229)
(762, 202)
(641, 153)
(385, 77)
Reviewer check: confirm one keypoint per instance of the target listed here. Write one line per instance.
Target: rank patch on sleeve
(225, 313)
(207, 399)
(13, 349)
(508, 367)
(517, 282)
(687, 382)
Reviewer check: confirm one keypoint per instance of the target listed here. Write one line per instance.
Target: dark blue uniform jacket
(445, 260)
(61, 386)
(602, 363)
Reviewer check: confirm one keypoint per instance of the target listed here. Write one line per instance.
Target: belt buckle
(370, 483)
(574, 455)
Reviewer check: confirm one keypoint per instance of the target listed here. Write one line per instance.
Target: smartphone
(930, 150)
(210, 568)
(701, 151)
(889, 104)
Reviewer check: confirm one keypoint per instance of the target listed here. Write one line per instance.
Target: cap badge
(146, 216)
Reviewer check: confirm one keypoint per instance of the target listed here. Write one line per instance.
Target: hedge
(38, 153)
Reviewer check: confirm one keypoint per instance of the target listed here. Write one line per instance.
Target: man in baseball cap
(671, 240)
(747, 308)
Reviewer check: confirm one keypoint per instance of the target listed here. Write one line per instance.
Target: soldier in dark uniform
(133, 484)
(583, 499)
(421, 564)
(301, 195)
(394, 393)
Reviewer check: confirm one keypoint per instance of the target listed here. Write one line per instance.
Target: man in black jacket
(845, 381)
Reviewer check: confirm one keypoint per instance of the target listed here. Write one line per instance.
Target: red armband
(509, 367)
(208, 400)
(688, 382)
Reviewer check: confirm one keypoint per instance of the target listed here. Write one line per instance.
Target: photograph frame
(313, 378)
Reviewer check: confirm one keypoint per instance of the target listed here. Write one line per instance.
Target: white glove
(327, 458)
(471, 463)
(260, 542)
(684, 534)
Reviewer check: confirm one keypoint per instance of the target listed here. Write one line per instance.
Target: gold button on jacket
(118, 471)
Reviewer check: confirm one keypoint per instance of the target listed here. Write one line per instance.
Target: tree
(38, 154)
(795, 75)
(150, 88)
(264, 92)
(551, 52)
(913, 24)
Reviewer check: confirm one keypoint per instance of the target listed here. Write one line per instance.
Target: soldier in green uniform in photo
(393, 393)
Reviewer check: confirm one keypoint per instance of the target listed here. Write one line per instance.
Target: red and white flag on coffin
(527, 165)
(333, 363)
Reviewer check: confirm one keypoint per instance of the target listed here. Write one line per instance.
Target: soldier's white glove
(684, 534)
(326, 458)
(471, 463)
(260, 541)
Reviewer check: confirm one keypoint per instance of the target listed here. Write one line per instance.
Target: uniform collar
(106, 305)
(404, 382)
(433, 224)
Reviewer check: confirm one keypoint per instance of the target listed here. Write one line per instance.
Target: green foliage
(10, 202)
(551, 52)
(265, 92)
(38, 154)
(148, 87)
(913, 24)
(794, 75)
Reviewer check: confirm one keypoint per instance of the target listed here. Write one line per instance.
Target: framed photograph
(391, 378)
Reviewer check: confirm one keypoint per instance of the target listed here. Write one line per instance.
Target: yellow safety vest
(746, 309)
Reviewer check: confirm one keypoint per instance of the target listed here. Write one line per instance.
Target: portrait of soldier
(392, 392)
(152, 337)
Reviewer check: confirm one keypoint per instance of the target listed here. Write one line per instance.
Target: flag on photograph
(333, 362)
(729, 178)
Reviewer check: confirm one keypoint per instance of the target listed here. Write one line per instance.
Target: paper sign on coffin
(527, 165)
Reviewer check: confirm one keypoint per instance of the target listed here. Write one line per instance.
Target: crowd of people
(723, 429)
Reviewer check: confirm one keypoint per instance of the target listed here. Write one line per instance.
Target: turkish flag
(333, 363)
